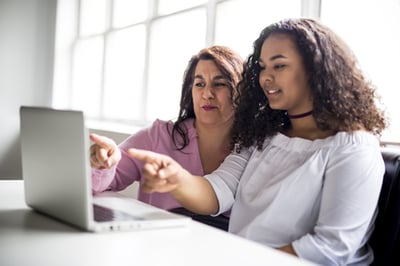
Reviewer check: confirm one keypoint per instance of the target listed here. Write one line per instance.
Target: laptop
(56, 173)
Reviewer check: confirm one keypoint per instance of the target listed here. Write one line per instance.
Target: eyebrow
(272, 58)
(277, 57)
(214, 78)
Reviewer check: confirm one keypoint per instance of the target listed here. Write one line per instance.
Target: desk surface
(29, 238)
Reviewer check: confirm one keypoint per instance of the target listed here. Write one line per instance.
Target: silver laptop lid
(55, 163)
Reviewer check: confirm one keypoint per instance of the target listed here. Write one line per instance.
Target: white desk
(28, 238)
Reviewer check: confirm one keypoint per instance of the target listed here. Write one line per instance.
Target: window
(123, 74)
(372, 30)
(122, 61)
(126, 58)
(238, 23)
(171, 47)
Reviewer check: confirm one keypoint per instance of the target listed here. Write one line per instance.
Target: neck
(307, 129)
(214, 135)
(214, 144)
(297, 116)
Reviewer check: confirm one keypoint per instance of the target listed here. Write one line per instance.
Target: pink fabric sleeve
(128, 170)
(155, 138)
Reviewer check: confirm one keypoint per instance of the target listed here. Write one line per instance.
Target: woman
(199, 139)
(306, 173)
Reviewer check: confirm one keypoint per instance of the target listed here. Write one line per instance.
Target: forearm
(162, 174)
(196, 194)
(101, 179)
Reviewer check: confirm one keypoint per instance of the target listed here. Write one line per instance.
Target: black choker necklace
(300, 115)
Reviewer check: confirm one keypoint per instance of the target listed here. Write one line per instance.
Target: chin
(276, 107)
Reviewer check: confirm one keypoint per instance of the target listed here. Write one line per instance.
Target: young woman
(199, 139)
(306, 170)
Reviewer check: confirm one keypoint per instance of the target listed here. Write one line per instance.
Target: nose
(208, 92)
(266, 78)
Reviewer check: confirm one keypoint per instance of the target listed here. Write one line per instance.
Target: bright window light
(374, 36)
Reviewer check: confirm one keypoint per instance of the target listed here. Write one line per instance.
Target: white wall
(26, 70)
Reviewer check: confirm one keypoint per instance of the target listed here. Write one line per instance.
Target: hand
(161, 173)
(104, 153)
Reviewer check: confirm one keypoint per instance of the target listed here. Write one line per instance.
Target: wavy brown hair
(231, 65)
(343, 98)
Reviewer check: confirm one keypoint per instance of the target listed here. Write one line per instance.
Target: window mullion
(152, 12)
(211, 18)
(108, 24)
(78, 19)
(311, 8)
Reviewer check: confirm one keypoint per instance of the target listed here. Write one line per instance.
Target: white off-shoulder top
(319, 196)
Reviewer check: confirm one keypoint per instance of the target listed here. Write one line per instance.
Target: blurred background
(122, 61)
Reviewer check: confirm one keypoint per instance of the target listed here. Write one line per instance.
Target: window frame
(64, 61)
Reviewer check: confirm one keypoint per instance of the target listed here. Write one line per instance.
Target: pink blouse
(154, 138)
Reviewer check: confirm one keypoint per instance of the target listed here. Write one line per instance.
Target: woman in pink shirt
(199, 139)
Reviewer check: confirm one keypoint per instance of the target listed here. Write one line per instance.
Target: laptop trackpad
(104, 214)
(125, 207)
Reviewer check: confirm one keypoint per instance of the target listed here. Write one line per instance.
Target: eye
(220, 84)
(200, 84)
(261, 67)
(279, 66)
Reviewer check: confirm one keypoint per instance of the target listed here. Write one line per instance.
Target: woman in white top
(306, 169)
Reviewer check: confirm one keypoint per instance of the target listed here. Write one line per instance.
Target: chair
(385, 239)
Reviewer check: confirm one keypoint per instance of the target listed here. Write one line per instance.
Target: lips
(208, 107)
(273, 95)
(274, 91)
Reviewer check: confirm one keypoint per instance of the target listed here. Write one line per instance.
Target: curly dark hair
(343, 98)
(231, 65)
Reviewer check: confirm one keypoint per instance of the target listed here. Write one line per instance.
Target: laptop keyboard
(104, 214)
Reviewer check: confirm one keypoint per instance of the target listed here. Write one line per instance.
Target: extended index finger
(103, 142)
(146, 156)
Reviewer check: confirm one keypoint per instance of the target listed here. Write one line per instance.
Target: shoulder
(163, 131)
(162, 124)
(149, 136)
(339, 141)
(158, 123)
(357, 146)
(360, 149)
(361, 143)
(355, 137)
(159, 128)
